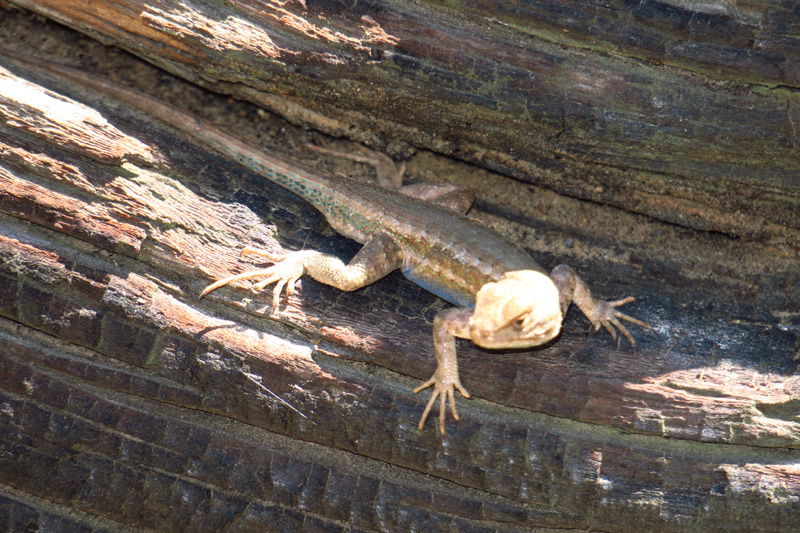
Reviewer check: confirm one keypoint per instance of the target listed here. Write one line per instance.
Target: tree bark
(129, 404)
(684, 111)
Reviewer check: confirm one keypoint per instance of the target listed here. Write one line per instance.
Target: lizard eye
(519, 323)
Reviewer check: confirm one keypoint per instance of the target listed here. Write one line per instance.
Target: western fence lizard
(503, 298)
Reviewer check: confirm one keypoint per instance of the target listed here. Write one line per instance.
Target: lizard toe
(444, 391)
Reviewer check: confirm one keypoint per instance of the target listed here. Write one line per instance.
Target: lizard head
(520, 310)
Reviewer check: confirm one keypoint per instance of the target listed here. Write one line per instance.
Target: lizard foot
(286, 271)
(390, 176)
(605, 314)
(444, 390)
(571, 288)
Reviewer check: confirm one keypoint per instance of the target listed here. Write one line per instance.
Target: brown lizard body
(503, 298)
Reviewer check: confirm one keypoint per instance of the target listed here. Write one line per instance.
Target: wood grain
(129, 404)
(682, 111)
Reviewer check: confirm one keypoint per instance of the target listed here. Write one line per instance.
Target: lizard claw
(605, 314)
(286, 271)
(444, 390)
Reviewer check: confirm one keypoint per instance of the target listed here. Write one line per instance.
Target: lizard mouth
(510, 337)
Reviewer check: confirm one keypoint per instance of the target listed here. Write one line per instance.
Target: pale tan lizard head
(520, 310)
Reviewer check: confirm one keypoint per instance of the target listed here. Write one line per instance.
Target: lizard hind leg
(286, 271)
(454, 197)
(376, 259)
(285, 277)
(389, 175)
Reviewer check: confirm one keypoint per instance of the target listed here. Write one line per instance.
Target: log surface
(685, 111)
(128, 404)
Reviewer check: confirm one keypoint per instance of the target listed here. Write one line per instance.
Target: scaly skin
(503, 298)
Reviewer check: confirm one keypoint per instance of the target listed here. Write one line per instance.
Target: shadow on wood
(129, 403)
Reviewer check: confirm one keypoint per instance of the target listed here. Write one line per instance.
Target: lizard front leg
(376, 259)
(447, 325)
(572, 288)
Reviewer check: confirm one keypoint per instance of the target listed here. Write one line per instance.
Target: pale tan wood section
(126, 403)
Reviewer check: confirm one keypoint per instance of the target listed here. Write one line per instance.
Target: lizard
(502, 298)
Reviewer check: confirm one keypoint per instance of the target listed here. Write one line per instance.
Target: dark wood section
(126, 403)
(685, 111)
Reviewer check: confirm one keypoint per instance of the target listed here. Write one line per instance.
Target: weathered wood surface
(128, 403)
(686, 111)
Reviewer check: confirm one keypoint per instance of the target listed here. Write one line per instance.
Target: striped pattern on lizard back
(443, 251)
